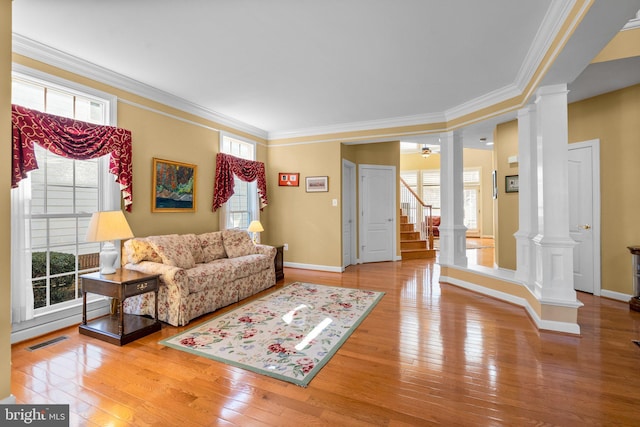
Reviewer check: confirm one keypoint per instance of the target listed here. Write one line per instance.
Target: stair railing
(417, 211)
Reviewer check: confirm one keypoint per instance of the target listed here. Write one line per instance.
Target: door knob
(585, 227)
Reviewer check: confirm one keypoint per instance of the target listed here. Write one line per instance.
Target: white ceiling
(291, 67)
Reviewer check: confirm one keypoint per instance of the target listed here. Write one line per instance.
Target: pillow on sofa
(173, 250)
(237, 242)
(193, 243)
(138, 250)
(212, 246)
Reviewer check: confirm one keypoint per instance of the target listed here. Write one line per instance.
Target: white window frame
(468, 185)
(253, 202)
(70, 312)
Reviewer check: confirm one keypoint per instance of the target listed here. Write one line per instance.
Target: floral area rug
(289, 334)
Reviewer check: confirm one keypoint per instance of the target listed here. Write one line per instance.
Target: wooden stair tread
(418, 253)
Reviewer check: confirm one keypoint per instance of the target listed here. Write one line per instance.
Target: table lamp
(105, 227)
(255, 227)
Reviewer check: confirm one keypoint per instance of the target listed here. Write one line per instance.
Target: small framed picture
(511, 183)
(316, 184)
(288, 179)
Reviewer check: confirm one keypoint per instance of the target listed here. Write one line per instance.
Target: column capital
(526, 111)
(551, 90)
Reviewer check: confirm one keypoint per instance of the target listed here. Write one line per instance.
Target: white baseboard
(570, 328)
(44, 328)
(314, 267)
(615, 295)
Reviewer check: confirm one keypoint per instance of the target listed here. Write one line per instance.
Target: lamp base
(108, 257)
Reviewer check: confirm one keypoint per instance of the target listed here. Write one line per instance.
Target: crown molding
(40, 52)
(633, 23)
(547, 32)
(360, 126)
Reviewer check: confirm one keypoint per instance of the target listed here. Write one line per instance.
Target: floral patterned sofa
(198, 273)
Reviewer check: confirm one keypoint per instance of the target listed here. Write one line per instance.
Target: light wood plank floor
(428, 354)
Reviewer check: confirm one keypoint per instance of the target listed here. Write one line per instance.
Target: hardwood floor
(429, 353)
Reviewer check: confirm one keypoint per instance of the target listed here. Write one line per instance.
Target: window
(431, 189)
(52, 207)
(242, 207)
(471, 179)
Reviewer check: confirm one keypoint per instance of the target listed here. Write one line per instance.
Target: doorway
(584, 214)
(349, 252)
(378, 213)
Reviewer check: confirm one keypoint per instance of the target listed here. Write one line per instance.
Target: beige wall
(472, 158)
(174, 140)
(307, 222)
(626, 44)
(614, 118)
(5, 201)
(506, 211)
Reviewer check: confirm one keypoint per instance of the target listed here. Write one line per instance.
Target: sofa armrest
(172, 277)
(270, 251)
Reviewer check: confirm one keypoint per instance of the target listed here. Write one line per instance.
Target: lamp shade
(255, 227)
(105, 227)
(108, 225)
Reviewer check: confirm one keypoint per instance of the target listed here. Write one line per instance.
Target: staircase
(411, 244)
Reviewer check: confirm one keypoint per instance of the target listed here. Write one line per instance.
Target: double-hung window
(242, 207)
(51, 208)
(471, 178)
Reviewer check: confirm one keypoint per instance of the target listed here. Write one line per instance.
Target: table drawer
(137, 288)
(101, 288)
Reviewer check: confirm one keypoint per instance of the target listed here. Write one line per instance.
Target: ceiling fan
(427, 150)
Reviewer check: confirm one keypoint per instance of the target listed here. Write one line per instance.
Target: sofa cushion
(193, 243)
(247, 265)
(139, 249)
(209, 275)
(212, 246)
(237, 243)
(173, 250)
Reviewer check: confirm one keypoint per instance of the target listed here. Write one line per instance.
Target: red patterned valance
(246, 170)
(72, 139)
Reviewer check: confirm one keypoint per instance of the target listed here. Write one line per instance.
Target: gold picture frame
(174, 186)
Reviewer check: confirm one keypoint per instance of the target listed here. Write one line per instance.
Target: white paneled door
(377, 213)
(584, 214)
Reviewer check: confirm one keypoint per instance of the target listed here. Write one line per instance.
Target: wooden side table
(119, 328)
(634, 302)
(279, 262)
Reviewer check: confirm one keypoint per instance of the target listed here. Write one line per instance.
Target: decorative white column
(527, 197)
(453, 233)
(554, 246)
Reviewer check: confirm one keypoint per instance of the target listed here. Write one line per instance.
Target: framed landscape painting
(174, 186)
